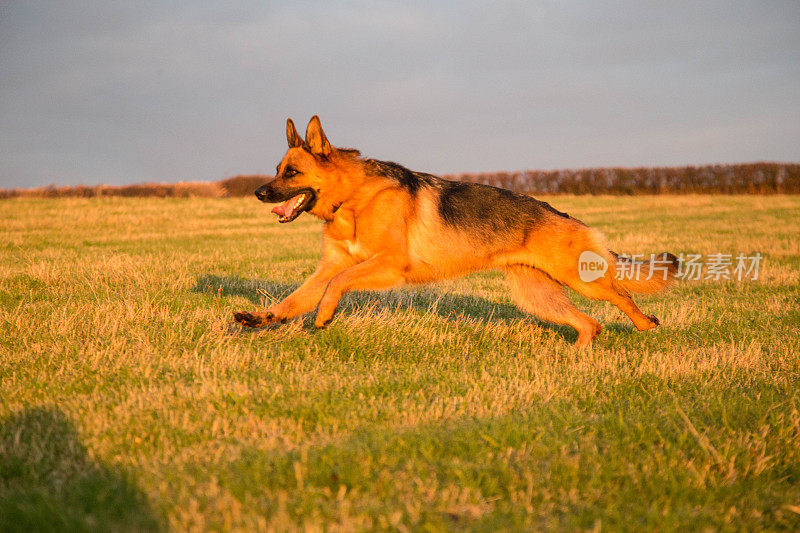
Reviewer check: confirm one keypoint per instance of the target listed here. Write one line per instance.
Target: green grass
(129, 401)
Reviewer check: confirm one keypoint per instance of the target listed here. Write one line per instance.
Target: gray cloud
(126, 92)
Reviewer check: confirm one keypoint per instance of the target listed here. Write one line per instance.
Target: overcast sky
(124, 92)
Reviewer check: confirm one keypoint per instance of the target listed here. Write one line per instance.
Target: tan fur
(649, 282)
(377, 235)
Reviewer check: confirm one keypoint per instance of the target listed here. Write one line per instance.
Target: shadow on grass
(423, 299)
(49, 483)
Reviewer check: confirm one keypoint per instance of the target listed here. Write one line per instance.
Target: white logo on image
(591, 266)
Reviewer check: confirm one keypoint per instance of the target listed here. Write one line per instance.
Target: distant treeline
(748, 178)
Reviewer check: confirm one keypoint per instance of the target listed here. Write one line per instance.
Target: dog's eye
(289, 172)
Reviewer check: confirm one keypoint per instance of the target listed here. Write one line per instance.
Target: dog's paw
(252, 320)
(645, 322)
(322, 323)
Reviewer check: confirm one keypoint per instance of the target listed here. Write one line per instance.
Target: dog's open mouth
(291, 208)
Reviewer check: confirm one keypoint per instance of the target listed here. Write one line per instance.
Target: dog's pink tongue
(286, 208)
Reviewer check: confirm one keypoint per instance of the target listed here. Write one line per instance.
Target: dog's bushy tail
(647, 275)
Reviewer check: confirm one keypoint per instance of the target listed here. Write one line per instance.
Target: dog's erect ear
(292, 137)
(316, 141)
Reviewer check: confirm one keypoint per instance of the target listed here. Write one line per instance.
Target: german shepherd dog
(385, 225)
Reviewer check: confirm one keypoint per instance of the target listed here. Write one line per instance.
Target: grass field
(129, 400)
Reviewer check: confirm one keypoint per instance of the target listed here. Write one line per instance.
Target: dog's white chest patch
(355, 249)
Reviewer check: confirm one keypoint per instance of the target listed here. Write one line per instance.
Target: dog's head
(306, 177)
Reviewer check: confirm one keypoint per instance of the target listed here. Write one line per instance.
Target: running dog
(385, 225)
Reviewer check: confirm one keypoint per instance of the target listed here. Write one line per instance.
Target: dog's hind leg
(542, 296)
(606, 289)
(561, 261)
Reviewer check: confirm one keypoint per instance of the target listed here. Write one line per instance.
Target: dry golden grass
(129, 400)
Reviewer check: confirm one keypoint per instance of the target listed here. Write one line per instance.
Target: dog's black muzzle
(264, 193)
(267, 193)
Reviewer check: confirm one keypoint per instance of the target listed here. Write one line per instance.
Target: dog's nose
(261, 194)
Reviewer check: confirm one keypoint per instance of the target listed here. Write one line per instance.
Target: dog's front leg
(304, 299)
(379, 272)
